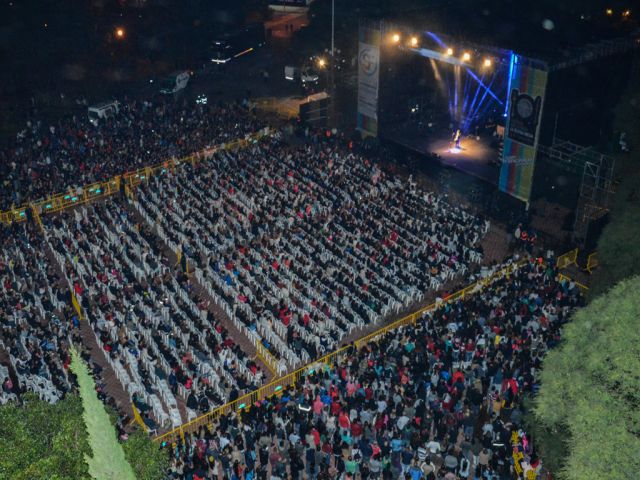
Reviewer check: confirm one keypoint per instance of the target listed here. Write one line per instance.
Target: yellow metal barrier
(569, 258)
(592, 262)
(277, 386)
(138, 418)
(76, 305)
(460, 294)
(266, 357)
(95, 191)
(36, 216)
(581, 286)
(15, 215)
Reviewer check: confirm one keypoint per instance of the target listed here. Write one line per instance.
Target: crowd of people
(438, 400)
(301, 246)
(298, 246)
(36, 329)
(159, 338)
(298, 259)
(47, 159)
(39, 325)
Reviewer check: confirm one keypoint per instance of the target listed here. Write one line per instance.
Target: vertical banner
(526, 99)
(368, 80)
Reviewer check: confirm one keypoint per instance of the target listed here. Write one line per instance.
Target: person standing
(517, 234)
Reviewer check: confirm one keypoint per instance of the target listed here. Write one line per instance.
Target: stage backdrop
(526, 97)
(368, 79)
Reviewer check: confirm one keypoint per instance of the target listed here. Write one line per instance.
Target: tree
(40, 440)
(618, 255)
(107, 460)
(73, 439)
(591, 388)
(146, 459)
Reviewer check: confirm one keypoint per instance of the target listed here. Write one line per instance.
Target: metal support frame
(595, 51)
(569, 156)
(596, 188)
(596, 191)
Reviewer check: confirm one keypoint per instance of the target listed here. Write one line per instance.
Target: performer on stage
(456, 139)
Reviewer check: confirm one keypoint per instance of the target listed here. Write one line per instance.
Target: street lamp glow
(395, 37)
(487, 62)
(414, 41)
(609, 11)
(322, 62)
(120, 33)
(449, 52)
(466, 56)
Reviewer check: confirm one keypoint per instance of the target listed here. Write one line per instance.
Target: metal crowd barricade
(581, 286)
(592, 262)
(76, 304)
(568, 259)
(138, 419)
(266, 357)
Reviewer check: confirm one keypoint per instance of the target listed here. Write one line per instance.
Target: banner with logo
(368, 80)
(526, 98)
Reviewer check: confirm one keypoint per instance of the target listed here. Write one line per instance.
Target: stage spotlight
(449, 52)
(395, 37)
(414, 41)
(487, 62)
(466, 56)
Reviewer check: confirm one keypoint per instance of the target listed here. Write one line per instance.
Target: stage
(475, 157)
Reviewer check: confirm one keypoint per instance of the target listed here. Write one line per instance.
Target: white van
(102, 111)
(174, 82)
(304, 75)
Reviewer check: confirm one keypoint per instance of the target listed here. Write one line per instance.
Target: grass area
(108, 461)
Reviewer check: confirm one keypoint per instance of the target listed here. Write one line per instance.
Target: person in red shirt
(316, 436)
(458, 375)
(343, 421)
(356, 430)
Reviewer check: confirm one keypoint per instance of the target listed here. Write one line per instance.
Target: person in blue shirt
(415, 472)
(396, 445)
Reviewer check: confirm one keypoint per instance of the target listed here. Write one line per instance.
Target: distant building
(290, 5)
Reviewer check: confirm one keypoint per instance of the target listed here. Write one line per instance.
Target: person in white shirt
(402, 422)
(433, 447)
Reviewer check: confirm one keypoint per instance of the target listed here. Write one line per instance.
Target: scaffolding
(596, 192)
(595, 51)
(565, 155)
(596, 188)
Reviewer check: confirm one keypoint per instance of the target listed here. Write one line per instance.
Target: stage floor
(475, 157)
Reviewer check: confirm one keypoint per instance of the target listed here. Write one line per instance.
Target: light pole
(333, 25)
(332, 61)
